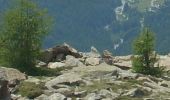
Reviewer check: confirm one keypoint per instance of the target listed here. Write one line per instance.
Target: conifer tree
(24, 28)
(145, 56)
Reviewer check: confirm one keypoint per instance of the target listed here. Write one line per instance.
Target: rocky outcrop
(58, 53)
(90, 77)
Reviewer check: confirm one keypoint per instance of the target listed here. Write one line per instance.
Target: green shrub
(146, 58)
(30, 90)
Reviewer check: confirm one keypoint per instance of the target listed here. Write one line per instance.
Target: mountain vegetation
(105, 23)
(145, 57)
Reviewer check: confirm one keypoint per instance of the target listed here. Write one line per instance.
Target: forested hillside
(105, 24)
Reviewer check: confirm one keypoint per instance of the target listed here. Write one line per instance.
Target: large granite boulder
(67, 78)
(12, 75)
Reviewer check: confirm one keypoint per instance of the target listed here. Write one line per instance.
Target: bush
(30, 90)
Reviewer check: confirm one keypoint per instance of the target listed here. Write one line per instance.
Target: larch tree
(24, 28)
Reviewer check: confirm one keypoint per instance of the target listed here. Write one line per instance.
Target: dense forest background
(83, 23)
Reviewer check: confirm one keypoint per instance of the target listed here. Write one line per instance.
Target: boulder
(73, 62)
(107, 53)
(164, 84)
(107, 57)
(67, 78)
(58, 53)
(13, 76)
(123, 74)
(56, 96)
(46, 55)
(92, 61)
(123, 62)
(54, 65)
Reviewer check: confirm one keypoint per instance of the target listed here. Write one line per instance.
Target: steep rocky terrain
(91, 76)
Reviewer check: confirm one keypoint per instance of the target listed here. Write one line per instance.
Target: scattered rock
(33, 80)
(107, 94)
(55, 65)
(67, 78)
(93, 53)
(135, 93)
(164, 84)
(92, 96)
(80, 93)
(58, 53)
(92, 61)
(42, 97)
(127, 75)
(107, 57)
(72, 62)
(151, 85)
(13, 76)
(65, 91)
(56, 96)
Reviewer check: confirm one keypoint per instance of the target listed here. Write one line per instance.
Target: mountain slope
(106, 24)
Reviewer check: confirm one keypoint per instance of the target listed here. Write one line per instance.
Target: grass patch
(103, 84)
(30, 90)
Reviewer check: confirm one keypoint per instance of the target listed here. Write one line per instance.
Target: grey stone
(42, 97)
(54, 65)
(92, 96)
(92, 61)
(135, 93)
(67, 78)
(73, 62)
(56, 96)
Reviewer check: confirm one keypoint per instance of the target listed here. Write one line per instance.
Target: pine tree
(145, 58)
(24, 29)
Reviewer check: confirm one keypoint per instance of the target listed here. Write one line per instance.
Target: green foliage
(30, 90)
(34, 71)
(145, 58)
(24, 29)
